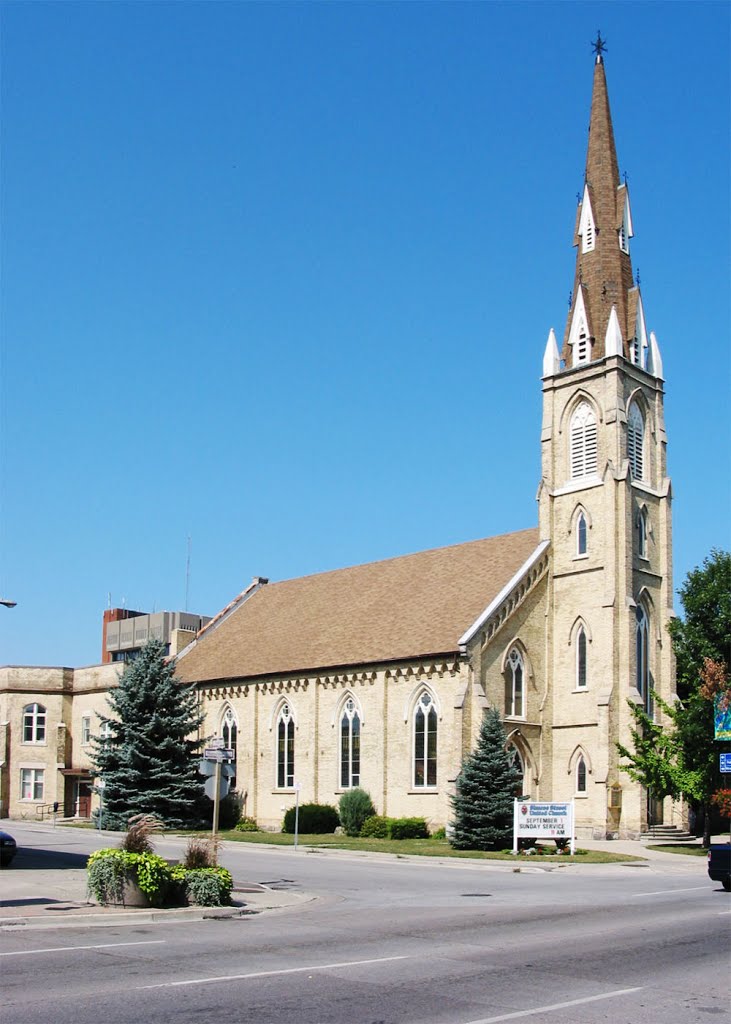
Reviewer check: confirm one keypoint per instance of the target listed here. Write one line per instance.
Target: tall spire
(603, 278)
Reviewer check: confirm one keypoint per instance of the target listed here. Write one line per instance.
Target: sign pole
(573, 829)
(297, 787)
(515, 830)
(216, 799)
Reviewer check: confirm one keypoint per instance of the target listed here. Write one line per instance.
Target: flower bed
(114, 874)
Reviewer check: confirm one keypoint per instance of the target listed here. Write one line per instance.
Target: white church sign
(533, 820)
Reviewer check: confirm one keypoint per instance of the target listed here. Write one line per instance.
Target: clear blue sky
(279, 278)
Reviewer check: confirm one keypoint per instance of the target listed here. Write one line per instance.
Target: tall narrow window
(583, 441)
(636, 442)
(34, 723)
(581, 775)
(85, 730)
(581, 545)
(642, 533)
(229, 734)
(581, 659)
(350, 746)
(285, 748)
(642, 654)
(515, 697)
(425, 742)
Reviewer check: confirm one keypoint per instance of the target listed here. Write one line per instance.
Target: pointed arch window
(34, 723)
(519, 763)
(349, 745)
(581, 650)
(285, 748)
(581, 775)
(642, 655)
(425, 742)
(515, 685)
(581, 535)
(229, 734)
(642, 532)
(583, 442)
(636, 442)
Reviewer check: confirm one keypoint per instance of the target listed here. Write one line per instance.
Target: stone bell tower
(605, 507)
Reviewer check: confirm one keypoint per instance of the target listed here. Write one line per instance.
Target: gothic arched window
(515, 685)
(583, 441)
(34, 723)
(581, 532)
(581, 659)
(425, 741)
(581, 775)
(229, 733)
(520, 765)
(642, 533)
(285, 748)
(349, 745)
(636, 442)
(642, 655)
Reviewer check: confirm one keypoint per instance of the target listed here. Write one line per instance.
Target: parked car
(8, 849)
(719, 864)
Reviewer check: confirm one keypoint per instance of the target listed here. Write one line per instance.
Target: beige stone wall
(386, 698)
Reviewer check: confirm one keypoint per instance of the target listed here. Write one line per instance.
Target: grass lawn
(419, 847)
(689, 851)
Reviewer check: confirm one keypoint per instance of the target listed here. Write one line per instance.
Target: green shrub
(247, 825)
(315, 819)
(376, 827)
(440, 833)
(354, 807)
(208, 887)
(108, 869)
(409, 828)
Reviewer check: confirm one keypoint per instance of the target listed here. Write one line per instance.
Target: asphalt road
(396, 942)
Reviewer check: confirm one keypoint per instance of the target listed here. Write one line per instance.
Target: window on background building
(515, 685)
(285, 748)
(520, 765)
(583, 442)
(636, 443)
(34, 723)
(229, 734)
(581, 540)
(31, 783)
(425, 741)
(85, 731)
(642, 654)
(581, 775)
(349, 745)
(581, 659)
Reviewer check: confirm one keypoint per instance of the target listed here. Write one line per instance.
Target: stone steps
(667, 834)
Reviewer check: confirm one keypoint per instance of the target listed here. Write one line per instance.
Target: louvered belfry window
(635, 443)
(583, 442)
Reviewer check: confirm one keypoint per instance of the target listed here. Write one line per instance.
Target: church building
(378, 675)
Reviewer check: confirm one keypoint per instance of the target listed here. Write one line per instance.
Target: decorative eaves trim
(497, 601)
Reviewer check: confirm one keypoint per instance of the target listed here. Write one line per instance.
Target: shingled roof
(402, 608)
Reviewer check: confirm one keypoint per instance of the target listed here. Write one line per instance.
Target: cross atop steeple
(599, 46)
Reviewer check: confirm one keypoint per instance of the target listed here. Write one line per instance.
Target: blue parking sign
(726, 763)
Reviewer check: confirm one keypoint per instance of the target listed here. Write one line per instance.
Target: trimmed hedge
(409, 828)
(376, 827)
(314, 819)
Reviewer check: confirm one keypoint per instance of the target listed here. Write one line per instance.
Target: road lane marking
(553, 1006)
(664, 892)
(269, 974)
(101, 945)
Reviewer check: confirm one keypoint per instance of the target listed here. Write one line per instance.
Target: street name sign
(218, 753)
(217, 743)
(534, 820)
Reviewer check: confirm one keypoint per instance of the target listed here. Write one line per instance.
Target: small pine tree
(485, 790)
(146, 755)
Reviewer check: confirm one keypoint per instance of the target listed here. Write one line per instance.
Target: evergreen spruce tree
(146, 753)
(485, 790)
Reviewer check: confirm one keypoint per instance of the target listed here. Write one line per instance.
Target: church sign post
(543, 821)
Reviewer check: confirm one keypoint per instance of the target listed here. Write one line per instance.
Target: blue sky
(278, 277)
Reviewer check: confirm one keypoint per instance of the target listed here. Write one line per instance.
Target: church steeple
(605, 301)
